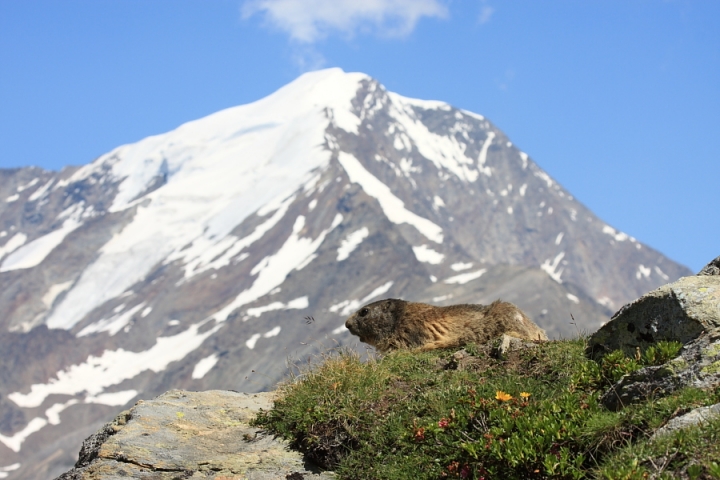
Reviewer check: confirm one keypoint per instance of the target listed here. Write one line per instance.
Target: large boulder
(686, 311)
(183, 434)
(679, 311)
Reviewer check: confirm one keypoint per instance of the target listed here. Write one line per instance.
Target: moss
(712, 369)
(712, 350)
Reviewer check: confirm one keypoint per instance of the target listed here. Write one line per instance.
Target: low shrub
(534, 413)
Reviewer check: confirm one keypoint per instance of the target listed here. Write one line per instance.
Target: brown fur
(392, 324)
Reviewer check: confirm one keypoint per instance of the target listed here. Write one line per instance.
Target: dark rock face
(191, 259)
(190, 434)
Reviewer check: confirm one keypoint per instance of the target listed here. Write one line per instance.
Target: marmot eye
(363, 312)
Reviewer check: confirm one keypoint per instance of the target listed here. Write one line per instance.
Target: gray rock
(680, 311)
(690, 419)
(712, 268)
(509, 343)
(183, 434)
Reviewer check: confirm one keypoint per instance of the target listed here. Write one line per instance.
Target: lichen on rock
(183, 434)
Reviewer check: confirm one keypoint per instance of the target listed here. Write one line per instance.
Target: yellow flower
(524, 394)
(502, 396)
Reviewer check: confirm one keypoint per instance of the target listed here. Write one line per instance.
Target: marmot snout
(391, 324)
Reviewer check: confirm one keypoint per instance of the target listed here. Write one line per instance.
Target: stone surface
(698, 365)
(712, 268)
(690, 419)
(183, 434)
(680, 311)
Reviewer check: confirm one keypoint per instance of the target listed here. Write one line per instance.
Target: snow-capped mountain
(192, 259)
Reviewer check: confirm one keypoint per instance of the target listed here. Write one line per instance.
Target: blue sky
(619, 100)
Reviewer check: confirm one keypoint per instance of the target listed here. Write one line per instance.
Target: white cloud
(307, 21)
(486, 12)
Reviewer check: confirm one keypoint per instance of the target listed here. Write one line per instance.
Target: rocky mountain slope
(191, 259)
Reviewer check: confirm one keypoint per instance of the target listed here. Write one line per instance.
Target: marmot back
(391, 324)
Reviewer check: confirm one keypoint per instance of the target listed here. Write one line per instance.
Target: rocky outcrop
(698, 365)
(680, 311)
(183, 434)
(686, 311)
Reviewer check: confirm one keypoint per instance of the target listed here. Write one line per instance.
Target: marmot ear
(387, 304)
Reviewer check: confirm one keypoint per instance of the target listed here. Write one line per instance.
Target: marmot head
(375, 322)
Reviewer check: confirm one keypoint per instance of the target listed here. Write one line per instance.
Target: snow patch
(393, 207)
(206, 252)
(204, 366)
(545, 177)
(351, 242)
(553, 268)
(459, 267)
(113, 367)
(445, 152)
(482, 158)
(618, 236)
(348, 306)
(442, 297)
(15, 442)
(438, 202)
(15, 242)
(53, 413)
(606, 302)
(114, 399)
(572, 298)
(341, 329)
(33, 253)
(272, 270)
(642, 271)
(4, 471)
(49, 298)
(426, 254)
(32, 183)
(113, 324)
(524, 158)
(464, 278)
(559, 238)
(37, 194)
(661, 273)
(12, 198)
(300, 303)
(256, 336)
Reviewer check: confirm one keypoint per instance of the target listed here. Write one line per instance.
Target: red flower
(444, 423)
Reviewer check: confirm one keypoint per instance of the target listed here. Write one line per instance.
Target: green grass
(533, 414)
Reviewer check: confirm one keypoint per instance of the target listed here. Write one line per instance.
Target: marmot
(391, 324)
